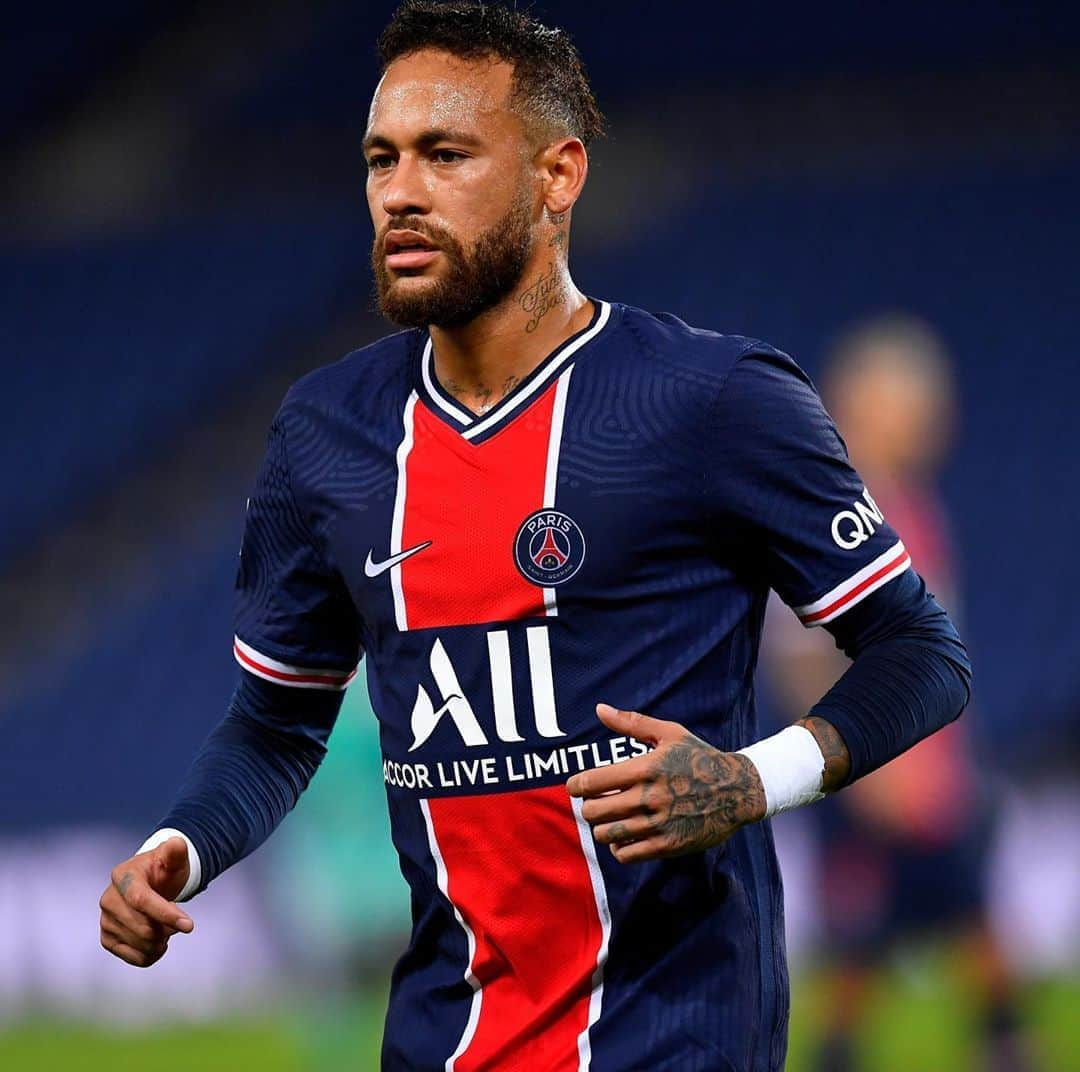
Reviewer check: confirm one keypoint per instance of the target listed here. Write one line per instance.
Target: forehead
(433, 89)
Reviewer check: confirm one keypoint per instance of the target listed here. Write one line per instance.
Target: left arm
(779, 487)
(910, 676)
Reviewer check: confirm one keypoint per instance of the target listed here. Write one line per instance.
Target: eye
(380, 162)
(447, 156)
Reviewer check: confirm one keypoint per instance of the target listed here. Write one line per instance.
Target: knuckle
(143, 930)
(141, 944)
(134, 955)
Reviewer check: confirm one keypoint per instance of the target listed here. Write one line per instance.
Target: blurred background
(891, 193)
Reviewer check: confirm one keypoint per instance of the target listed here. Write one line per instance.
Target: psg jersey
(609, 531)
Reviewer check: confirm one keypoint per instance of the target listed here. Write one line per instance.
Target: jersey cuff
(857, 587)
(194, 881)
(298, 677)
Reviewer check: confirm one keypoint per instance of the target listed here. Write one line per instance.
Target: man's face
(450, 190)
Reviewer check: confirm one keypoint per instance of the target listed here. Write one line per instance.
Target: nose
(406, 193)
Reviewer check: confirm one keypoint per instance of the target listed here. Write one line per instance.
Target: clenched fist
(138, 912)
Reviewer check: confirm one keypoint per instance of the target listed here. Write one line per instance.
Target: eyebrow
(424, 140)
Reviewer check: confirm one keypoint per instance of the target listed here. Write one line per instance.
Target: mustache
(437, 235)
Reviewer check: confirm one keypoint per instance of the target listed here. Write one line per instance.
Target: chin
(413, 282)
(411, 302)
(413, 277)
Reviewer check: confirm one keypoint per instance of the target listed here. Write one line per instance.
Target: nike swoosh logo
(373, 568)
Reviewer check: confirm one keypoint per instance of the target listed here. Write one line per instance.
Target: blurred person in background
(904, 849)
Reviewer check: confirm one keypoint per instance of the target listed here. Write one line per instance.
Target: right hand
(138, 911)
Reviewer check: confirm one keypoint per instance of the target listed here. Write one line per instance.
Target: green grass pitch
(920, 1022)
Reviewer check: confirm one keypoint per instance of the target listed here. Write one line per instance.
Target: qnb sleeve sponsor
(783, 480)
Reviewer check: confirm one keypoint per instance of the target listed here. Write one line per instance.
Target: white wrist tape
(791, 767)
(194, 881)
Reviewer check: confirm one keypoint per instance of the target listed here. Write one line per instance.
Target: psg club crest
(549, 548)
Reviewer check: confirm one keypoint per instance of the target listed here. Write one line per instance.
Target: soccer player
(551, 523)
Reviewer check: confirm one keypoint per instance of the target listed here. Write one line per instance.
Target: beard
(474, 279)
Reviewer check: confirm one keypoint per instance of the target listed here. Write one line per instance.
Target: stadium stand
(117, 345)
(50, 51)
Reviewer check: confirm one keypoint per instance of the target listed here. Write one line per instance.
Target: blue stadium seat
(114, 347)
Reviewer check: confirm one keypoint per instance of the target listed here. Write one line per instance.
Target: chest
(567, 503)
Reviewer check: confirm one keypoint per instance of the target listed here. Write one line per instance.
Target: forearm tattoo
(835, 752)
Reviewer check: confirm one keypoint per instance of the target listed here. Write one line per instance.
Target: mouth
(408, 249)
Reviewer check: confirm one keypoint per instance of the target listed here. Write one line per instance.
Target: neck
(482, 361)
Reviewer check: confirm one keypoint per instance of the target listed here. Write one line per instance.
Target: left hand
(682, 797)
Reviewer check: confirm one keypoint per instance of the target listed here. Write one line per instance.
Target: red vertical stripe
(469, 500)
(517, 874)
(514, 865)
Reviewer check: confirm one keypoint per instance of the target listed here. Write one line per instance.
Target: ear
(563, 166)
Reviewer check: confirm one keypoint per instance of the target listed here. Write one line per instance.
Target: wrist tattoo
(835, 752)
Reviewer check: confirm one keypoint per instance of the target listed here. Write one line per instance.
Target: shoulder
(363, 382)
(671, 343)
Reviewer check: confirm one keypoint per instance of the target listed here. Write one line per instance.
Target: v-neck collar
(472, 426)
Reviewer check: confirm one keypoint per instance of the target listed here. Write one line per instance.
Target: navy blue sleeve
(251, 770)
(296, 623)
(297, 640)
(780, 486)
(781, 482)
(910, 677)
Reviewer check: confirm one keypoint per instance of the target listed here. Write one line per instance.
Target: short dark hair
(550, 88)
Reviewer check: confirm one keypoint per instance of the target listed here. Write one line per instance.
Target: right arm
(297, 643)
(251, 771)
(247, 776)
